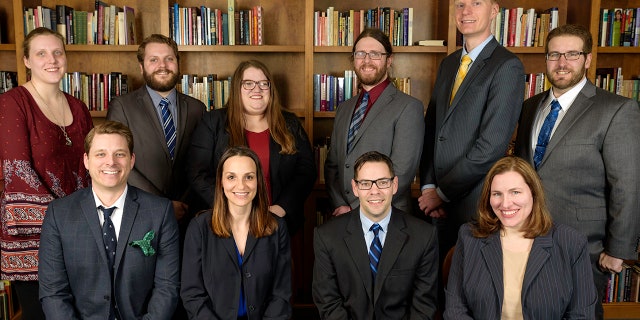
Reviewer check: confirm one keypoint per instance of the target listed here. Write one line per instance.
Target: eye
(249, 177)
(153, 60)
(121, 154)
(100, 154)
(231, 177)
(170, 59)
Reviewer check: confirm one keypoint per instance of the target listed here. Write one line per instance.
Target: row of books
(213, 92)
(612, 80)
(8, 80)
(95, 90)
(519, 27)
(329, 91)
(535, 83)
(107, 24)
(619, 27)
(335, 28)
(624, 286)
(207, 26)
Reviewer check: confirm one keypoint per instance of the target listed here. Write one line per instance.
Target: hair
(109, 127)
(261, 221)
(235, 111)
(376, 34)
(372, 156)
(572, 30)
(156, 38)
(41, 31)
(539, 221)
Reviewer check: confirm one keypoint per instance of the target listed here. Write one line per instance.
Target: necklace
(62, 127)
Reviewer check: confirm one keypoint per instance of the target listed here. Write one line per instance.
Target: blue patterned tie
(168, 126)
(375, 250)
(110, 242)
(356, 120)
(545, 133)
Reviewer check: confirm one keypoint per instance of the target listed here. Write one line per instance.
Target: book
(231, 7)
(616, 27)
(430, 43)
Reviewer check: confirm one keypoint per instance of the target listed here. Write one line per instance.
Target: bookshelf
(290, 53)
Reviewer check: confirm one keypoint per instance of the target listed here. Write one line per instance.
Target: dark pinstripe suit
(558, 282)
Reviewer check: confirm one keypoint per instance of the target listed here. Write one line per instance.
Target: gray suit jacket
(464, 140)
(393, 127)
(557, 281)
(591, 168)
(154, 171)
(73, 271)
(405, 287)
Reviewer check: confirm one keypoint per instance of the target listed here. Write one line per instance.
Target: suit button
(248, 274)
(346, 165)
(442, 138)
(346, 192)
(107, 298)
(252, 308)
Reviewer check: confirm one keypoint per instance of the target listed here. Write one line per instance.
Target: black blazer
(292, 176)
(407, 278)
(211, 277)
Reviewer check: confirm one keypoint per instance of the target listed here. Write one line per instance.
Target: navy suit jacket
(463, 140)
(211, 278)
(73, 271)
(292, 176)
(558, 283)
(407, 278)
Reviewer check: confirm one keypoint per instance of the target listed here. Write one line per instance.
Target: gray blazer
(405, 287)
(557, 281)
(73, 272)
(393, 127)
(464, 140)
(154, 171)
(591, 169)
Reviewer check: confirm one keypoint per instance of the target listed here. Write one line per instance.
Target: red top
(38, 167)
(374, 94)
(259, 142)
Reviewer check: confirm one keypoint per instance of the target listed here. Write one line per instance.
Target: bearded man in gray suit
(583, 142)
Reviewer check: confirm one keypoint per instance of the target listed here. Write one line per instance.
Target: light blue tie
(375, 250)
(545, 133)
(356, 120)
(168, 126)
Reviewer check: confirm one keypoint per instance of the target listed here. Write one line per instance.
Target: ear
(354, 188)
(86, 161)
(395, 184)
(133, 160)
(141, 68)
(26, 62)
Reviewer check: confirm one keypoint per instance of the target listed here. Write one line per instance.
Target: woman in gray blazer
(237, 259)
(514, 263)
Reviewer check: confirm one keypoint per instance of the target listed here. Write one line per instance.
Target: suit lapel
(129, 213)
(476, 67)
(537, 258)
(89, 209)
(146, 102)
(183, 117)
(359, 252)
(393, 244)
(492, 255)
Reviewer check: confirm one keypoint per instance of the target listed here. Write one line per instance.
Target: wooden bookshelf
(290, 54)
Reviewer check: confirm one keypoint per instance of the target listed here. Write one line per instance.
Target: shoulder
(605, 99)
(336, 226)
(146, 198)
(406, 99)
(564, 234)
(414, 224)
(290, 118)
(190, 101)
(72, 200)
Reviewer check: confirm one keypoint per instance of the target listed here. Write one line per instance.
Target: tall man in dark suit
(471, 117)
(587, 153)
(152, 112)
(109, 251)
(380, 118)
(375, 262)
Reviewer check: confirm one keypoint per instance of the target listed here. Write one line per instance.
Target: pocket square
(145, 244)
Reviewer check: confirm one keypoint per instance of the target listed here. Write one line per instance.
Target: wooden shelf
(621, 310)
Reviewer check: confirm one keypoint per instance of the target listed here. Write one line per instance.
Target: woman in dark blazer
(253, 117)
(237, 259)
(514, 263)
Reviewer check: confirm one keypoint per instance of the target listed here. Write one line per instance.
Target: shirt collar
(156, 97)
(119, 202)
(476, 51)
(567, 98)
(366, 223)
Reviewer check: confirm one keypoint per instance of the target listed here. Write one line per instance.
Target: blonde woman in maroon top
(41, 145)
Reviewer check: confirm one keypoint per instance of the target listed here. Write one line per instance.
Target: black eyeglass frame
(376, 182)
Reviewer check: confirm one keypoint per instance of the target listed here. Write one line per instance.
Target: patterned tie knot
(555, 106)
(466, 60)
(462, 73)
(107, 211)
(375, 228)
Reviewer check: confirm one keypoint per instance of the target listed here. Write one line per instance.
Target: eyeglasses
(373, 55)
(250, 84)
(569, 56)
(382, 183)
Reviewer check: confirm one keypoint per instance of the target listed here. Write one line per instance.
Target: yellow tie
(462, 72)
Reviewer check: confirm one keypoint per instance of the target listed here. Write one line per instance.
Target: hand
(438, 213)
(609, 263)
(429, 200)
(278, 210)
(179, 209)
(341, 210)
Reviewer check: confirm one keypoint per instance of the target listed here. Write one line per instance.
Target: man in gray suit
(161, 165)
(375, 262)
(380, 118)
(109, 251)
(587, 153)
(469, 121)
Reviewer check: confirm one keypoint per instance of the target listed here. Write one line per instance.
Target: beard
(372, 79)
(161, 86)
(567, 83)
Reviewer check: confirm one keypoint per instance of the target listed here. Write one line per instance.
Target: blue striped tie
(375, 250)
(168, 126)
(545, 133)
(356, 120)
